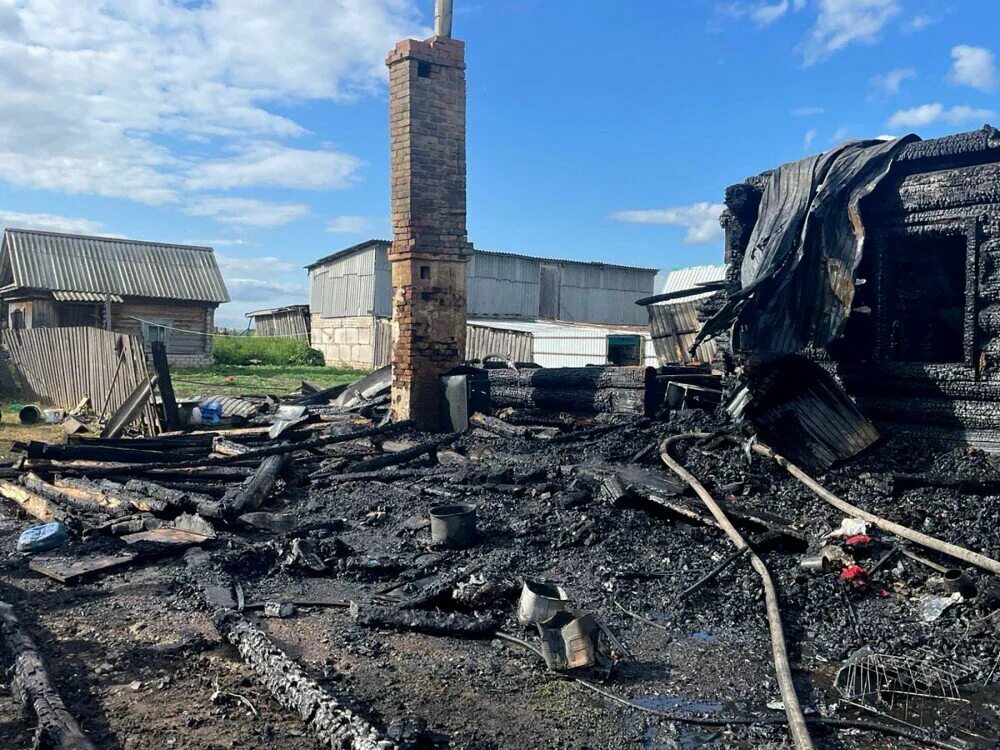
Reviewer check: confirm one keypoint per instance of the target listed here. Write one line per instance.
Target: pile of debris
(623, 556)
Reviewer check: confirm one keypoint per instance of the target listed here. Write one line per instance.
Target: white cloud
(49, 223)
(275, 165)
(765, 15)
(919, 23)
(888, 84)
(808, 111)
(839, 135)
(927, 114)
(107, 98)
(257, 290)
(247, 212)
(810, 136)
(700, 219)
(254, 267)
(349, 225)
(844, 22)
(974, 66)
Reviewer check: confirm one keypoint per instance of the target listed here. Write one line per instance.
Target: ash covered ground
(136, 657)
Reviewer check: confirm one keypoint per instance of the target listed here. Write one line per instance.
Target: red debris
(858, 540)
(856, 576)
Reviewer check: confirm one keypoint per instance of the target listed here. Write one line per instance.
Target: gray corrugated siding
(502, 286)
(344, 287)
(499, 286)
(383, 282)
(43, 260)
(599, 294)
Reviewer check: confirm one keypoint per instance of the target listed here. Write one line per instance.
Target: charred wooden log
(573, 378)
(498, 426)
(428, 447)
(75, 499)
(334, 725)
(57, 728)
(599, 400)
(250, 495)
(453, 624)
(171, 498)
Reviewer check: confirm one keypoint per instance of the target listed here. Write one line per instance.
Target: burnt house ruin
(918, 345)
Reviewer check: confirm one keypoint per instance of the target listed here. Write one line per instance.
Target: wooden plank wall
(191, 323)
(59, 366)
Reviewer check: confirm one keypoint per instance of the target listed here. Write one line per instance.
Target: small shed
(291, 321)
(674, 315)
(157, 291)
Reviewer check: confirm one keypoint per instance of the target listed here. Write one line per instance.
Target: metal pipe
(442, 18)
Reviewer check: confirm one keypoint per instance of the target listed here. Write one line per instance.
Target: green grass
(253, 350)
(236, 380)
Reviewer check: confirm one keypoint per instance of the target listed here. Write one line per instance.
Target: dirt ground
(137, 658)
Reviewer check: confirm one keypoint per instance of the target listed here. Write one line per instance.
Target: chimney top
(442, 18)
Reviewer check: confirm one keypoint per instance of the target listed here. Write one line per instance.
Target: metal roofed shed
(674, 313)
(160, 292)
(351, 293)
(291, 321)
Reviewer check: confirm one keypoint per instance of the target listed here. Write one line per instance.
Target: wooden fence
(60, 366)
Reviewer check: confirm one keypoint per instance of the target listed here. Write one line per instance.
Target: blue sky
(597, 130)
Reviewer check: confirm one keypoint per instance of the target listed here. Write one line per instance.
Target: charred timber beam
(78, 500)
(84, 452)
(171, 414)
(428, 447)
(333, 724)
(498, 426)
(448, 624)
(57, 728)
(34, 505)
(170, 498)
(601, 400)
(387, 475)
(261, 453)
(250, 495)
(574, 377)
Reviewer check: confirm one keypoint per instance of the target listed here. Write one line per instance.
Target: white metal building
(585, 306)
(674, 323)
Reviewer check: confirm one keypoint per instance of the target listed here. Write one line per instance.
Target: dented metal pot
(453, 525)
(540, 602)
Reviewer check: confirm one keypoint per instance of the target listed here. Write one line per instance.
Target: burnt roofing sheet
(798, 271)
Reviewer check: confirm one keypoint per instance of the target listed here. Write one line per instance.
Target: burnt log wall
(942, 187)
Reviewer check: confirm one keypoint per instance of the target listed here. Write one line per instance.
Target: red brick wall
(430, 244)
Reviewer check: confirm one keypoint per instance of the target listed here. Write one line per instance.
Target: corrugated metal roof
(680, 279)
(276, 310)
(85, 297)
(386, 243)
(107, 265)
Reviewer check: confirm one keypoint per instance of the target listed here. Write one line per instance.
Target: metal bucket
(956, 579)
(29, 414)
(453, 525)
(568, 641)
(540, 602)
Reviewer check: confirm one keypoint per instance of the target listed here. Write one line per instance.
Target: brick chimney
(430, 246)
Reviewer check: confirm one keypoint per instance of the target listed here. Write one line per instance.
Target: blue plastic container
(42, 538)
(211, 412)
